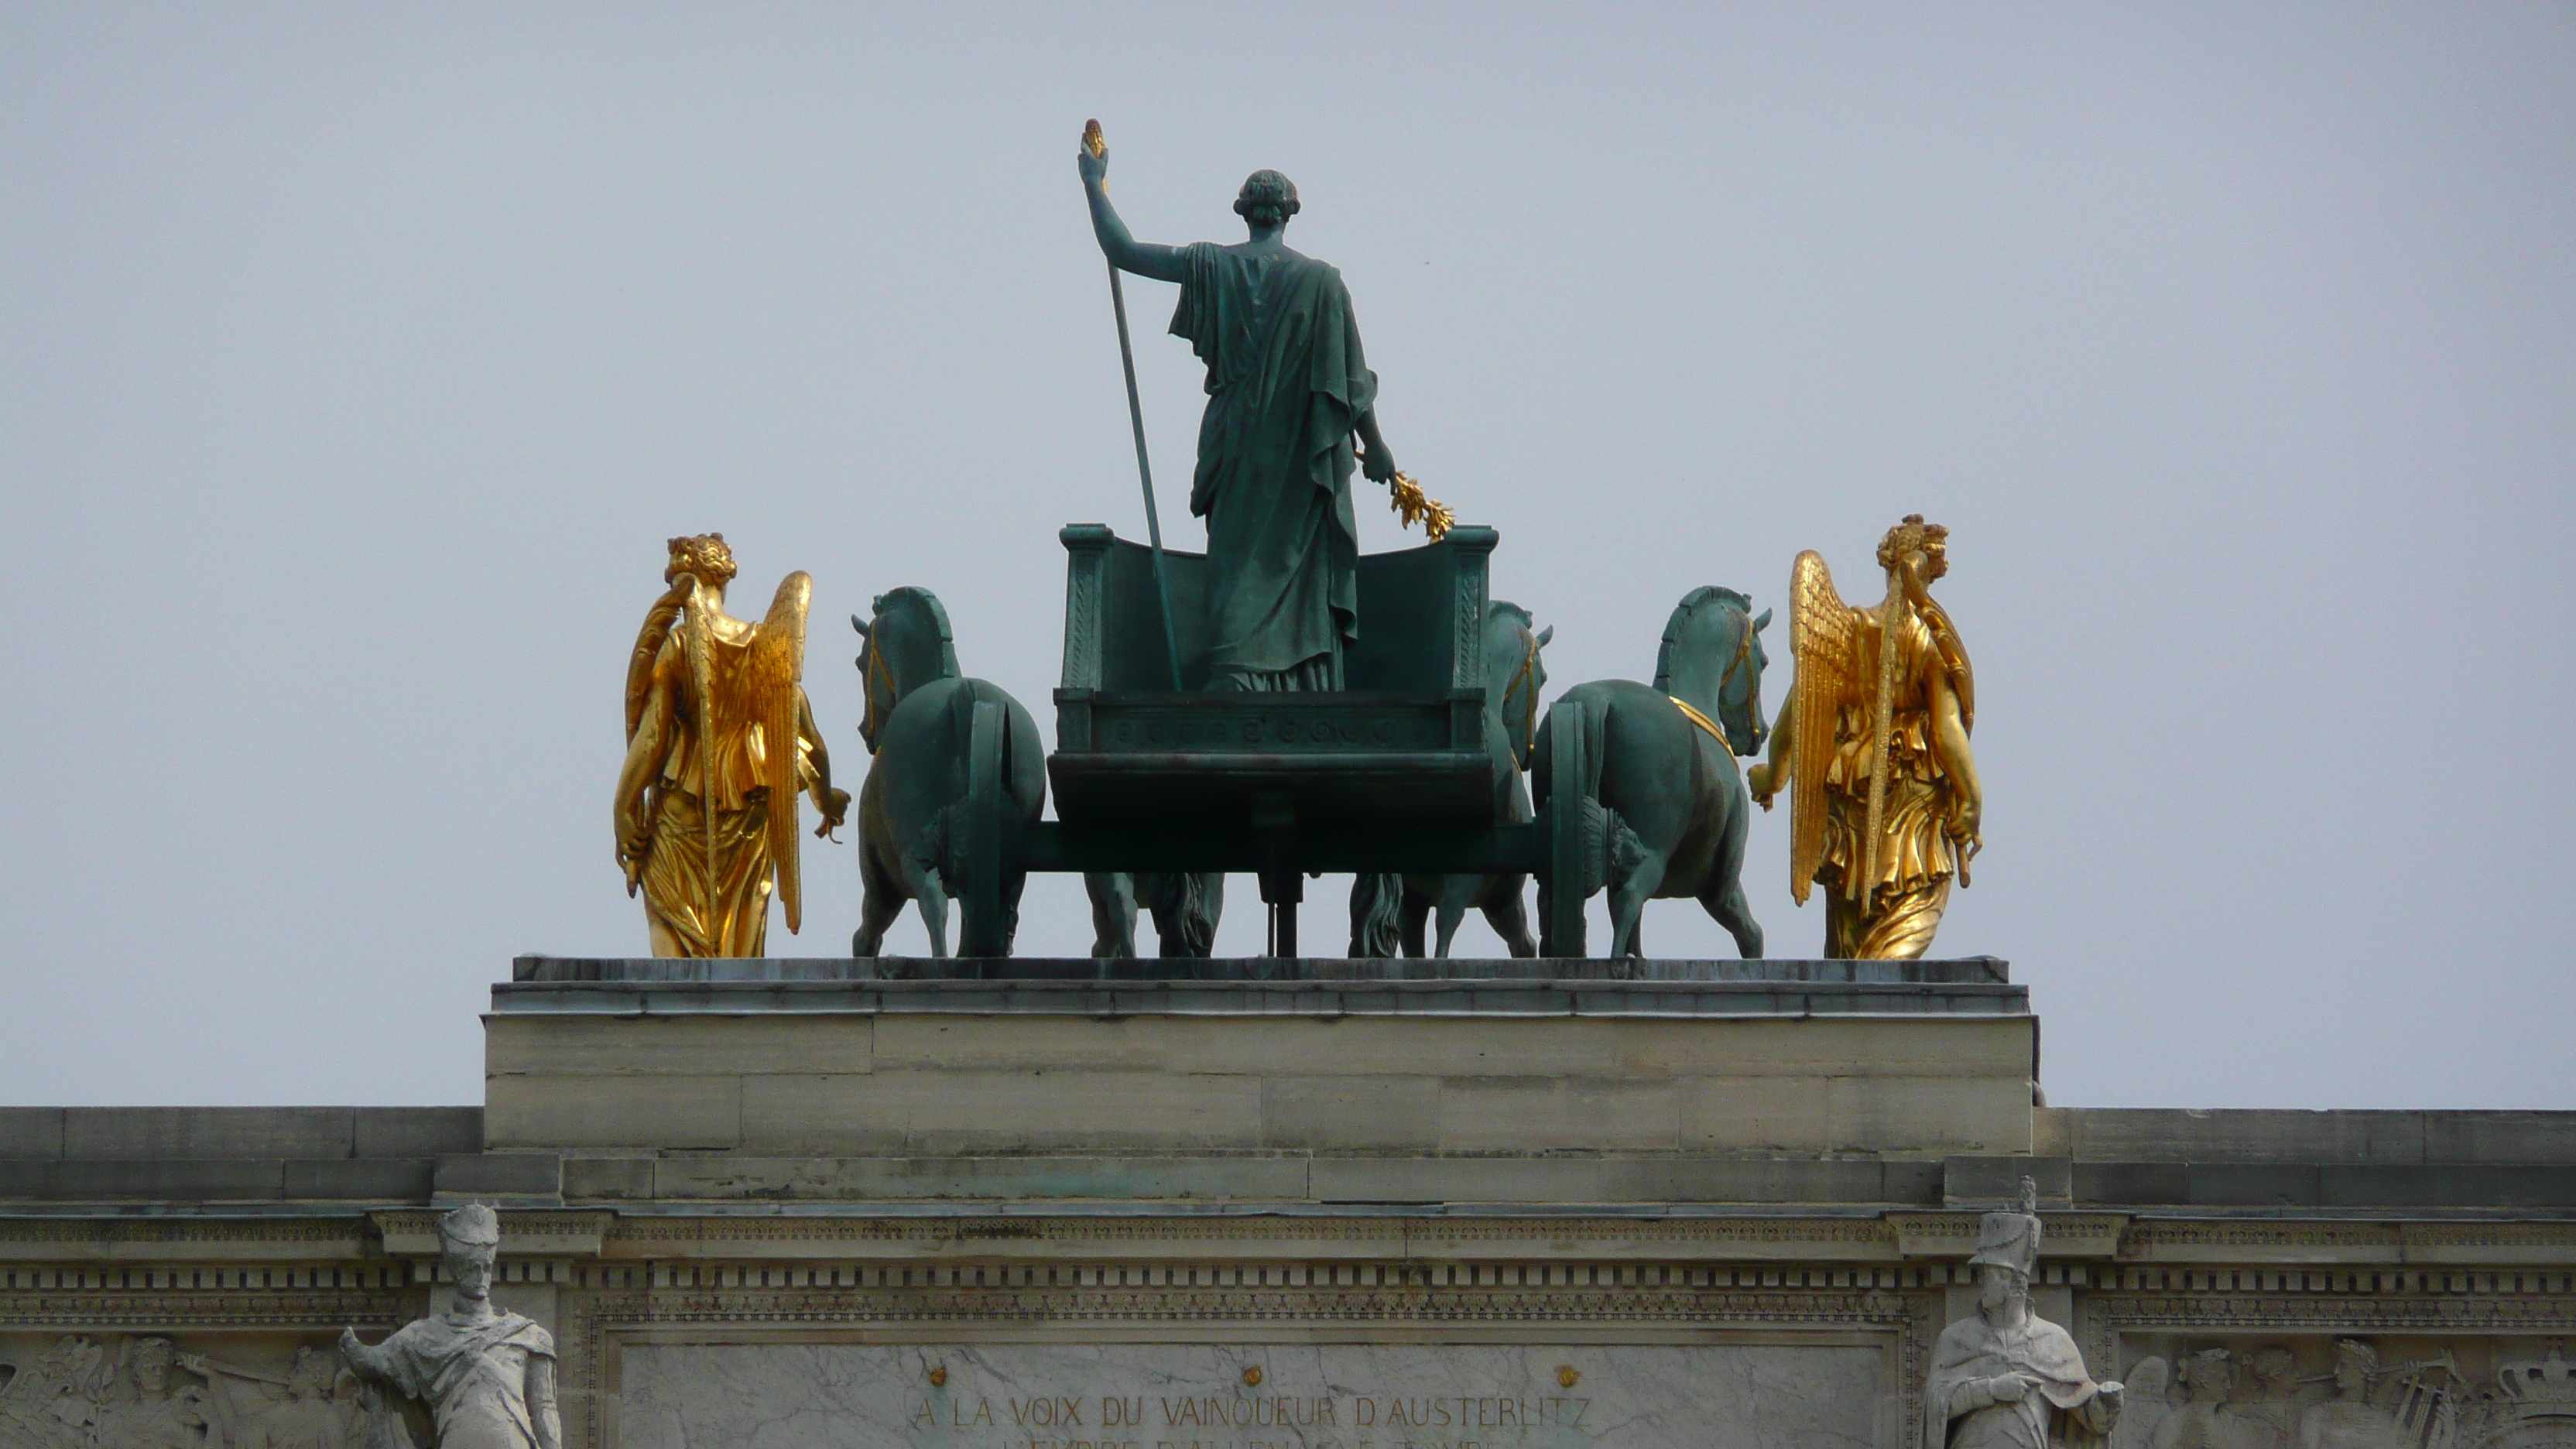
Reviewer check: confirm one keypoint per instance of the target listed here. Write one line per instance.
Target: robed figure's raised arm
(1145, 259)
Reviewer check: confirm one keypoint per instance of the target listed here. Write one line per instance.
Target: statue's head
(2275, 1368)
(2356, 1364)
(2007, 1251)
(315, 1374)
(469, 1239)
(702, 554)
(1267, 199)
(2209, 1375)
(153, 1360)
(1915, 536)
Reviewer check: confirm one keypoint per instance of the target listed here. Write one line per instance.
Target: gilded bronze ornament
(1872, 744)
(720, 739)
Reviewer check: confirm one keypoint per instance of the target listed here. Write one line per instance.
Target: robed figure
(486, 1375)
(1291, 411)
(1872, 745)
(2003, 1377)
(720, 740)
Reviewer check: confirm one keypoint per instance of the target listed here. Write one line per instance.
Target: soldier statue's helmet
(473, 1230)
(1267, 190)
(2011, 1239)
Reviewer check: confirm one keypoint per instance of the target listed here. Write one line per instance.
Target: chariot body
(1405, 770)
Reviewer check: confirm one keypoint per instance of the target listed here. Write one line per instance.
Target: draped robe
(1286, 385)
(2062, 1407)
(473, 1376)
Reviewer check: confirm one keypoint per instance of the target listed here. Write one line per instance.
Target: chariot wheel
(981, 846)
(1563, 879)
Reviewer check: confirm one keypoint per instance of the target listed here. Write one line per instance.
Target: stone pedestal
(1259, 1081)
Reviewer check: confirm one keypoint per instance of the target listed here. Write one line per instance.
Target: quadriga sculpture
(914, 809)
(1671, 807)
(1514, 679)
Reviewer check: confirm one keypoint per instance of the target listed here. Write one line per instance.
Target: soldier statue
(1288, 394)
(2003, 1377)
(486, 1375)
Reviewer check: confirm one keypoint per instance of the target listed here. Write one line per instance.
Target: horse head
(1515, 676)
(906, 646)
(1712, 660)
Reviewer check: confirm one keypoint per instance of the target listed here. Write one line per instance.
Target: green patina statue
(1288, 391)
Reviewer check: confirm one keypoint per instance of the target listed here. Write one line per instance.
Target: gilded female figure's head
(1913, 536)
(702, 554)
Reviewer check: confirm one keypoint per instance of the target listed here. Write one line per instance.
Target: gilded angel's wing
(772, 674)
(1824, 639)
(648, 648)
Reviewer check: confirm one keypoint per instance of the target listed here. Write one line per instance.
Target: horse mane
(1691, 604)
(924, 599)
(1498, 609)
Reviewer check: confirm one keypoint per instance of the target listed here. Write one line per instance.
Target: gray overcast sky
(358, 360)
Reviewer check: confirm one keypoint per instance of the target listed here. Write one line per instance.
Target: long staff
(1098, 145)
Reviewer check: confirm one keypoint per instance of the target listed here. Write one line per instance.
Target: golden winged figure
(720, 740)
(1872, 744)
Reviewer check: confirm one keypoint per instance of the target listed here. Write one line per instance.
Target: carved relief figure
(54, 1402)
(148, 1393)
(2203, 1422)
(2006, 1378)
(2348, 1420)
(487, 1376)
(2425, 1404)
(1885, 807)
(160, 1411)
(311, 1416)
(719, 740)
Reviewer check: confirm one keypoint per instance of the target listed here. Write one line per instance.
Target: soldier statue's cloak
(464, 1371)
(1286, 385)
(2062, 1406)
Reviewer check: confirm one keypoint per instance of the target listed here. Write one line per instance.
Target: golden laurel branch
(1413, 506)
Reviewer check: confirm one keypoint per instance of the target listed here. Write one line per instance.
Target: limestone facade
(1605, 1226)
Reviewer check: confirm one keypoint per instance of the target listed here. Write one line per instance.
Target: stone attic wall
(1783, 1300)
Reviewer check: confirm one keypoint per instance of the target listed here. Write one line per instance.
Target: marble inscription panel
(1255, 1396)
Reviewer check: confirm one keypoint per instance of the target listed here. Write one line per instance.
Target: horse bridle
(877, 669)
(1743, 656)
(1528, 674)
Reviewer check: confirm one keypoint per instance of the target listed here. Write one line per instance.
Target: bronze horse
(918, 725)
(1671, 806)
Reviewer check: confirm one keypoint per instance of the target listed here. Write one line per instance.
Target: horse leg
(1628, 897)
(1417, 910)
(881, 902)
(1457, 892)
(1113, 913)
(1723, 894)
(1200, 908)
(1506, 913)
(931, 895)
(1013, 882)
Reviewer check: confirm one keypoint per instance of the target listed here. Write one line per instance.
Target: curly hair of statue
(705, 554)
(1266, 190)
